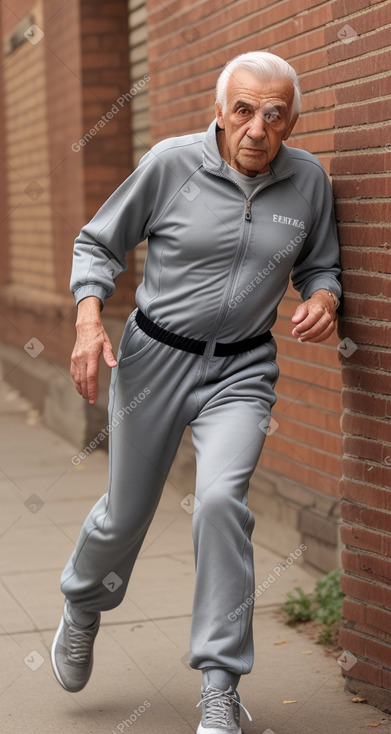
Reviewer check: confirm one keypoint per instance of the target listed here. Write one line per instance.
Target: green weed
(323, 605)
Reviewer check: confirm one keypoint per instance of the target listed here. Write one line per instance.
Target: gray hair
(265, 66)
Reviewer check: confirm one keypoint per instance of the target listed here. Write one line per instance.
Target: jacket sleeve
(318, 263)
(119, 225)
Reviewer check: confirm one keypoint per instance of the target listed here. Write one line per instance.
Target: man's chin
(252, 164)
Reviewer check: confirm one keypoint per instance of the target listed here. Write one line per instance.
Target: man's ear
(291, 126)
(219, 115)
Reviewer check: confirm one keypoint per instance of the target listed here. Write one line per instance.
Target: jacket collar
(282, 166)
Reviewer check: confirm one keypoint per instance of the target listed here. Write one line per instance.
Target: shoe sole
(53, 656)
(201, 730)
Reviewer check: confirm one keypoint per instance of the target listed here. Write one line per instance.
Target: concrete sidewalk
(141, 680)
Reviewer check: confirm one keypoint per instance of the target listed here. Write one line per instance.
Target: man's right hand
(91, 340)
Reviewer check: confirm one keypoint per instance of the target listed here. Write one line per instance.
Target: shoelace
(80, 644)
(218, 706)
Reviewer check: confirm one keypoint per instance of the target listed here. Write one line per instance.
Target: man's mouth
(253, 150)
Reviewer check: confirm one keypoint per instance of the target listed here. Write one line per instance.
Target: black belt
(197, 346)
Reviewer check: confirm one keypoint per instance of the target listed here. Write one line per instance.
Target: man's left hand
(315, 319)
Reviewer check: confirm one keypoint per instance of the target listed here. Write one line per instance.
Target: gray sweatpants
(224, 399)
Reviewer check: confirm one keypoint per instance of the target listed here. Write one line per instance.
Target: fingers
(300, 313)
(85, 376)
(91, 341)
(321, 336)
(108, 354)
(320, 331)
(91, 382)
(316, 326)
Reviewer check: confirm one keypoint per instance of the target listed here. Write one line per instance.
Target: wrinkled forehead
(246, 86)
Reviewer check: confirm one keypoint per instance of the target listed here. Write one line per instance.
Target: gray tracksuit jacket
(218, 264)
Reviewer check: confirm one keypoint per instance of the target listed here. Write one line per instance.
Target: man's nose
(257, 128)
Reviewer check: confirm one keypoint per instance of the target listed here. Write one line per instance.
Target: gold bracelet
(334, 297)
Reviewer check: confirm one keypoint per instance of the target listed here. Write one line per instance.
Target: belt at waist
(197, 346)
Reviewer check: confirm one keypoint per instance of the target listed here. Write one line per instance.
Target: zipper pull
(248, 210)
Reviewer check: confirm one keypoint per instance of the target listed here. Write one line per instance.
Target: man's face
(256, 120)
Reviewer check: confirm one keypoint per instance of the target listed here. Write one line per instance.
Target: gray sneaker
(72, 652)
(220, 711)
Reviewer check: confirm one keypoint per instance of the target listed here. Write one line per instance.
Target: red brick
(242, 19)
(370, 20)
(364, 671)
(380, 475)
(375, 308)
(368, 284)
(302, 473)
(104, 60)
(350, 258)
(376, 261)
(309, 415)
(352, 641)
(360, 401)
(92, 25)
(370, 186)
(378, 618)
(366, 356)
(310, 394)
(363, 448)
(361, 589)
(353, 69)
(363, 43)
(356, 423)
(315, 144)
(365, 493)
(367, 516)
(370, 136)
(367, 380)
(368, 540)
(306, 453)
(363, 211)
(361, 163)
(359, 235)
(353, 611)
(352, 468)
(340, 8)
(366, 90)
(309, 435)
(365, 647)
(369, 333)
(312, 373)
(109, 8)
(367, 565)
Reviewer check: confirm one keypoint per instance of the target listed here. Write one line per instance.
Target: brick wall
(55, 93)
(30, 233)
(360, 172)
(107, 156)
(64, 122)
(33, 303)
(4, 232)
(139, 73)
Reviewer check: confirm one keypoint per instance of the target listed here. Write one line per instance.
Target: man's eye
(271, 116)
(243, 111)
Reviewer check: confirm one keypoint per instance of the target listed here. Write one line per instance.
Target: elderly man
(229, 215)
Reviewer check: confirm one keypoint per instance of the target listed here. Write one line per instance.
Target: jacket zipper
(229, 286)
(231, 278)
(233, 271)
